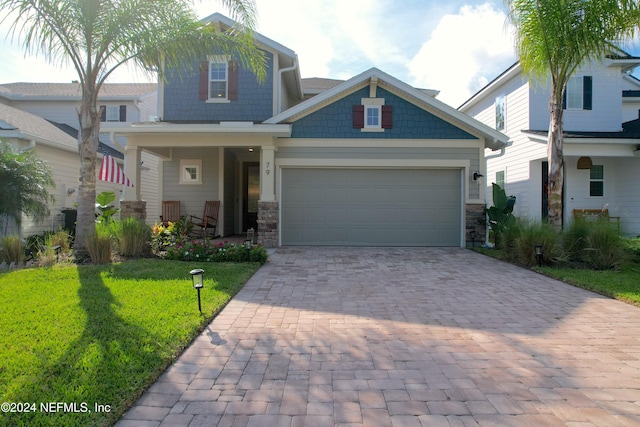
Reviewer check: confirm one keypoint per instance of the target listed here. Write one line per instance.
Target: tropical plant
(96, 37)
(25, 184)
(106, 210)
(553, 38)
(501, 213)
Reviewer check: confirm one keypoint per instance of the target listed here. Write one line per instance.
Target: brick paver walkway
(404, 337)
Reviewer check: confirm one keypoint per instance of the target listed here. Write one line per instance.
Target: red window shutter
(358, 116)
(387, 117)
(204, 81)
(233, 81)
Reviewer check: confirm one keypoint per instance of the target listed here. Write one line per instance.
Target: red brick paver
(404, 337)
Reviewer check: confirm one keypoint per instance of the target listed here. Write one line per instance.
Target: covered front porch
(229, 162)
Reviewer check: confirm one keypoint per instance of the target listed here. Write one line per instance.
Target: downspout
(112, 138)
(502, 152)
(280, 73)
(31, 146)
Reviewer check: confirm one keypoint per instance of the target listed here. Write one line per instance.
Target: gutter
(280, 85)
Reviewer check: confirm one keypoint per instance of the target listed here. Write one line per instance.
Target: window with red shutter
(387, 117)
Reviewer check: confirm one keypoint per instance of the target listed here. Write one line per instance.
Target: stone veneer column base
(133, 208)
(476, 221)
(268, 215)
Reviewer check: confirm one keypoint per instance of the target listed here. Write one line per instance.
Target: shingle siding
(409, 121)
(254, 103)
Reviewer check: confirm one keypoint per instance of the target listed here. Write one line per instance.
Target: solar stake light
(538, 251)
(248, 241)
(197, 278)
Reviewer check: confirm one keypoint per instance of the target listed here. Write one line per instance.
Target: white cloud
(465, 51)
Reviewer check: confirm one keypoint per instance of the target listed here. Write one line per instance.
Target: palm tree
(25, 182)
(553, 38)
(98, 36)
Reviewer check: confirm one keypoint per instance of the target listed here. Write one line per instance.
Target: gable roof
(16, 123)
(494, 139)
(22, 91)
(287, 58)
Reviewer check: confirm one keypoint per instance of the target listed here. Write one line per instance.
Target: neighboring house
(26, 131)
(122, 103)
(368, 161)
(601, 139)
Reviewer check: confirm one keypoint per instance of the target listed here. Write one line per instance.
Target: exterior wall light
(477, 175)
(197, 278)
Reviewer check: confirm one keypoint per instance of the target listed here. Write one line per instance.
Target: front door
(251, 195)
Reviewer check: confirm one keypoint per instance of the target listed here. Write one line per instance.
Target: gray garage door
(371, 207)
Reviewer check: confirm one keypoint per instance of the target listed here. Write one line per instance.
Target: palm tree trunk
(556, 163)
(88, 139)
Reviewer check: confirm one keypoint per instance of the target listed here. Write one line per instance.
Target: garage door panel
(371, 207)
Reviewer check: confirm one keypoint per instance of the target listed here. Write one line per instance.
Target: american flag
(111, 172)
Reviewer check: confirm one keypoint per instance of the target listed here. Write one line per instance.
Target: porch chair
(170, 211)
(209, 218)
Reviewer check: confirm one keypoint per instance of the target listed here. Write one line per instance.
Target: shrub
(219, 252)
(133, 237)
(164, 236)
(605, 248)
(574, 239)
(99, 245)
(13, 249)
(632, 248)
(46, 252)
(532, 234)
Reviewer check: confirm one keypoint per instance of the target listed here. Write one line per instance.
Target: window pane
(500, 178)
(373, 118)
(113, 114)
(574, 93)
(596, 188)
(218, 71)
(597, 172)
(218, 90)
(500, 113)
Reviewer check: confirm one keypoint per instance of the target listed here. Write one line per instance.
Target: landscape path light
(538, 251)
(197, 278)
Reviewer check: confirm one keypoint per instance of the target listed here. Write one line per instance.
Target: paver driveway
(404, 337)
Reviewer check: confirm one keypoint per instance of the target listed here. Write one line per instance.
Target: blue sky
(455, 47)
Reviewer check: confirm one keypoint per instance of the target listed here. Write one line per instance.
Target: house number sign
(267, 168)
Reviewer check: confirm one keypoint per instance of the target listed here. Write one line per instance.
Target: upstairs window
(596, 181)
(113, 113)
(372, 116)
(500, 113)
(218, 80)
(578, 94)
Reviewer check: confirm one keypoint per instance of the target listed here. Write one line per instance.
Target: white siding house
(122, 103)
(600, 123)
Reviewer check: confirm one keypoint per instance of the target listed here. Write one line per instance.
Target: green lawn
(87, 335)
(622, 284)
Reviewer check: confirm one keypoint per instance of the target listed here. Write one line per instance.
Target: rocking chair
(209, 218)
(170, 211)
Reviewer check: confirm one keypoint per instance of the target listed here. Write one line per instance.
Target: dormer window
(218, 80)
(372, 115)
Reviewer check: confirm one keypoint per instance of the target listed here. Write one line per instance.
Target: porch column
(267, 174)
(268, 213)
(130, 204)
(132, 157)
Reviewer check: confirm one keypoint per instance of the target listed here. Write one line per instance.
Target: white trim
(381, 143)
(191, 164)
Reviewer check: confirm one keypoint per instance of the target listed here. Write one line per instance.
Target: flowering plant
(215, 252)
